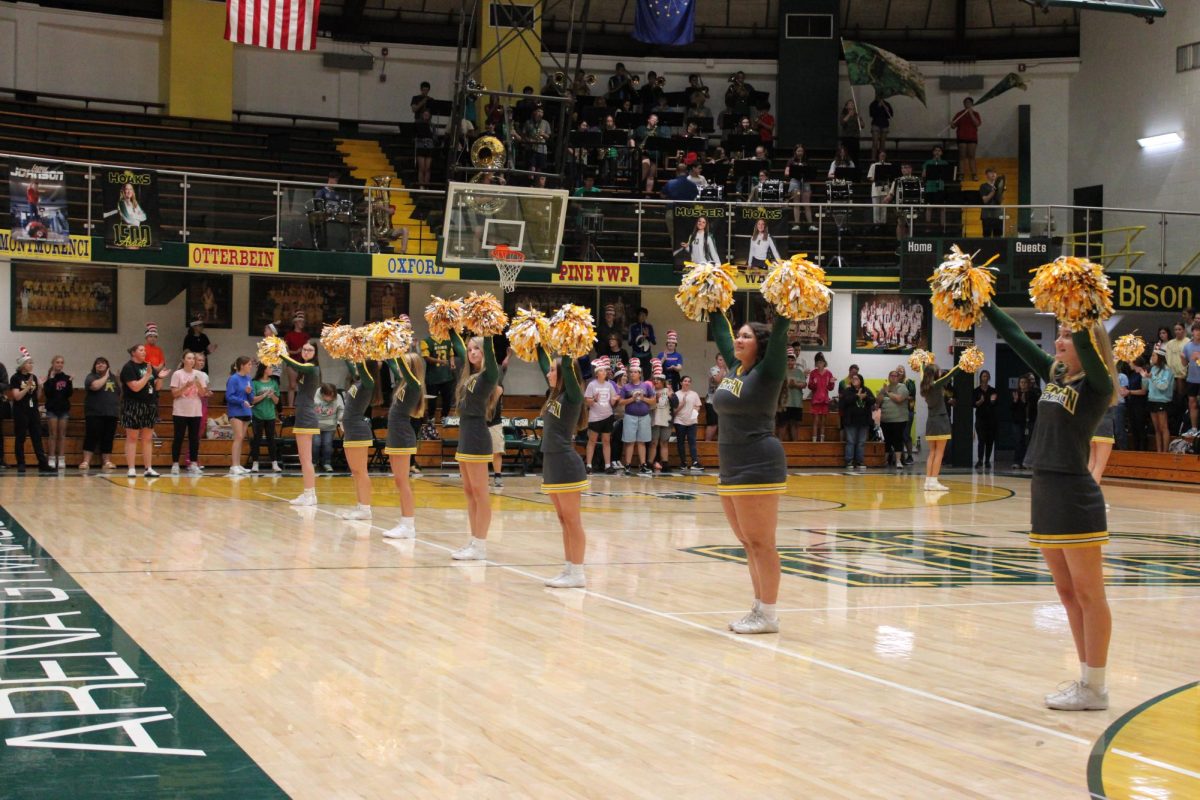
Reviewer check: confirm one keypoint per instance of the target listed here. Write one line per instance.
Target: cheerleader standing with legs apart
(563, 475)
(359, 437)
(753, 468)
(477, 381)
(306, 425)
(937, 426)
(1067, 507)
(408, 402)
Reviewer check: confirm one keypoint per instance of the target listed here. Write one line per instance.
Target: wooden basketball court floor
(290, 653)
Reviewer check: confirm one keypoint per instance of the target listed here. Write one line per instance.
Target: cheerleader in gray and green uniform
(937, 425)
(1067, 507)
(563, 475)
(476, 397)
(358, 436)
(753, 467)
(408, 402)
(306, 426)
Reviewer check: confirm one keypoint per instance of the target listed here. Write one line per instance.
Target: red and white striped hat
(602, 363)
(24, 356)
(672, 337)
(635, 363)
(610, 309)
(151, 329)
(791, 353)
(656, 370)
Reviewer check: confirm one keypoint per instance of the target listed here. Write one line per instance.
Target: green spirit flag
(1010, 81)
(887, 72)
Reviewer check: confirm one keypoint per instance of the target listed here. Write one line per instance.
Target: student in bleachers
(56, 394)
(239, 394)
(139, 406)
(188, 386)
(101, 405)
(266, 397)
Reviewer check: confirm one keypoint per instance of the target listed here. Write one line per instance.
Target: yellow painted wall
(521, 67)
(197, 61)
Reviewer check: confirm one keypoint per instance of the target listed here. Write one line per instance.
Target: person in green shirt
(439, 375)
(266, 395)
(935, 188)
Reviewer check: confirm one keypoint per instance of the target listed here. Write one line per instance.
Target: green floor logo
(942, 559)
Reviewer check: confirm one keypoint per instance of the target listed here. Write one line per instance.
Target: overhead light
(1162, 140)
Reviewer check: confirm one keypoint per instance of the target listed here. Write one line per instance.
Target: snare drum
(314, 209)
(344, 211)
(909, 191)
(770, 191)
(712, 192)
(837, 190)
(593, 221)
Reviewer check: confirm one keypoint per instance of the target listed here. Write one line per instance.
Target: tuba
(379, 208)
(488, 151)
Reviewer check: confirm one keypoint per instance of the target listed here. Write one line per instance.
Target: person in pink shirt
(820, 383)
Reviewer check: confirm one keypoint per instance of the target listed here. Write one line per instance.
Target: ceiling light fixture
(1162, 140)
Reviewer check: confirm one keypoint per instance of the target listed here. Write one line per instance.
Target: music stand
(946, 173)
(591, 140)
(846, 173)
(886, 173)
(658, 144)
(672, 119)
(694, 144)
(743, 143)
(717, 173)
(594, 115)
(439, 108)
(630, 119)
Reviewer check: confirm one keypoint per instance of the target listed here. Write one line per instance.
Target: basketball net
(508, 264)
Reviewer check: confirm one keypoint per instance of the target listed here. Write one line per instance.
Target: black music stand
(672, 119)
(658, 145)
(946, 173)
(886, 173)
(590, 140)
(630, 119)
(846, 174)
(693, 144)
(439, 108)
(717, 174)
(742, 143)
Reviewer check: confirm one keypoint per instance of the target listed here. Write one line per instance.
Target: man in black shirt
(196, 340)
(420, 102)
(991, 195)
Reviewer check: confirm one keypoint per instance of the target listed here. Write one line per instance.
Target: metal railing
(231, 209)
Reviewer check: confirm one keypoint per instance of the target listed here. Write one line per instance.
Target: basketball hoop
(508, 263)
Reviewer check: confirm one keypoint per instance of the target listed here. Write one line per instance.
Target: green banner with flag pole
(1010, 81)
(888, 73)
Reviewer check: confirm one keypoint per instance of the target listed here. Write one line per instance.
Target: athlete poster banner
(131, 218)
(38, 202)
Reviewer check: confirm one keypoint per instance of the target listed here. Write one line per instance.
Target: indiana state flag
(669, 22)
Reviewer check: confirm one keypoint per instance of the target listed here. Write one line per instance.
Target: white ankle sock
(575, 570)
(1094, 678)
(756, 605)
(1083, 671)
(409, 522)
(767, 610)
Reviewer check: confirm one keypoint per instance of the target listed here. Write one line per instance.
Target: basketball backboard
(1148, 9)
(483, 216)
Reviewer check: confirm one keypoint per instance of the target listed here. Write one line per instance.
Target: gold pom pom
(529, 329)
(797, 288)
(706, 288)
(271, 351)
(919, 359)
(572, 331)
(1074, 290)
(1129, 348)
(342, 341)
(484, 314)
(961, 289)
(391, 338)
(971, 360)
(443, 316)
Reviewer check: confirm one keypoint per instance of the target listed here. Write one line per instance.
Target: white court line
(818, 662)
(1053, 600)
(1156, 763)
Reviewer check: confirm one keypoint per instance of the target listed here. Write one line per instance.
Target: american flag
(277, 24)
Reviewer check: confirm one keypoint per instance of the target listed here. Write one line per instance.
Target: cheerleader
(563, 475)
(700, 246)
(408, 403)
(1102, 443)
(358, 436)
(937, 426)
(1067, 507)
(761, 246)
(477, 379)
(753, 468)
(305, 425)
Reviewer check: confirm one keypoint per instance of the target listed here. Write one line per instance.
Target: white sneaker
(474, 550)
(174, 469)
(756, 623)
(934, 485)
(254, 467)
(150, 474)
(1078, 697)
(401, 531)
(194, 469)
(132, 472)
(62, 462)
(306, 498)
(275, 467)
(358, 512)
(567, 580)
(236, 469)
(753, 610)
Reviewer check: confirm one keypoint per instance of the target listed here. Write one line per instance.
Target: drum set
(344, 225)
(771, 191)
(711, 192)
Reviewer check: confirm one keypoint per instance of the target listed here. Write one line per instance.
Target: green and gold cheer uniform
(474, 439)
(1066, 505)
(937, 421)
(752, 460)
(307, 385)
(562, 466)
(401, 438)
(358, 431)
